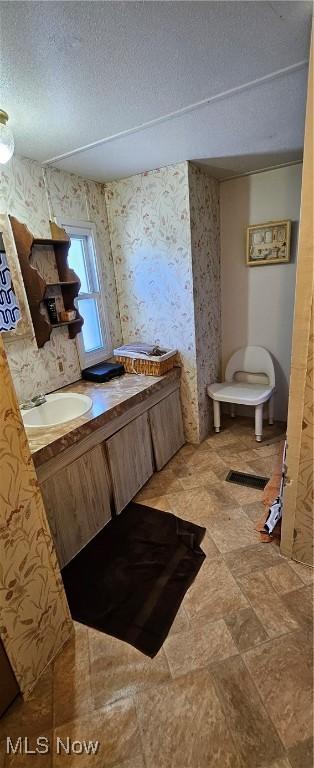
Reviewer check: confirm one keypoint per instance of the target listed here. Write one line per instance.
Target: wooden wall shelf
(35, 285)
(58, 282)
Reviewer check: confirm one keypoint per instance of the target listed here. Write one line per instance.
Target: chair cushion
(240, 393)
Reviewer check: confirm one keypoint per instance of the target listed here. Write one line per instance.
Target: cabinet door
(77, 502)
(130, 460)
(167, 428)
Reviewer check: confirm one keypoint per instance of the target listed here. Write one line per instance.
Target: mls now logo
(21, 746)
(42, 746)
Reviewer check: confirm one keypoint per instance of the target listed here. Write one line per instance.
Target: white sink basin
(58, 409)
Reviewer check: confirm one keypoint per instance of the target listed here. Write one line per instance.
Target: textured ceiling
(215, 81)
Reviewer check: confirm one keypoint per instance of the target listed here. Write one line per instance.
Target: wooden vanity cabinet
(166, 428)
(84, 484)
(130, 460)
(77, 502)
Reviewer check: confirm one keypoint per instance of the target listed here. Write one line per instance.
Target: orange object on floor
(267, 538)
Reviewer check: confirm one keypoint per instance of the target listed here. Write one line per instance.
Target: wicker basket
(146, 366)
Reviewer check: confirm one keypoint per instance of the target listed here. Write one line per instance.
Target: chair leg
(232, 410)
(216, 415)
(271, 404)
(259, 422)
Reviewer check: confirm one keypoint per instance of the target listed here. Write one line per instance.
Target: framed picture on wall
(268, 243)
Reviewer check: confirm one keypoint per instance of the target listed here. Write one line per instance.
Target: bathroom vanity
(89, 469)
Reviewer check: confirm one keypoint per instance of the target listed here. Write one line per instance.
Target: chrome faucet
(33, 402)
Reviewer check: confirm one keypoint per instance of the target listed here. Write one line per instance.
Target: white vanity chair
(250, 380)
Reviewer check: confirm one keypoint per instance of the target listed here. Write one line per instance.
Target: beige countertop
(111, 399)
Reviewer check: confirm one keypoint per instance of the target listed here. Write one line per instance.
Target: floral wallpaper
(151, 247)
(34, 196)
(34, 617)
(205, 243)
(168, 273)
(23, 194)
(43, 370)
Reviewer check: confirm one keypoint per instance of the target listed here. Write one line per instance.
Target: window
(94, 340)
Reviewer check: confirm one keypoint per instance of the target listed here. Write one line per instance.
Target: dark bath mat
(130, 580)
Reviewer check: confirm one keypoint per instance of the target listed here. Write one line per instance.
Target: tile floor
(231, 687)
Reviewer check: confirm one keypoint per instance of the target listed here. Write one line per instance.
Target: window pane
(92, 336)
(76, 260)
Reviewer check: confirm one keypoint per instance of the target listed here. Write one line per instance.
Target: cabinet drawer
(167, 428)
(77, 503)
(130, 460)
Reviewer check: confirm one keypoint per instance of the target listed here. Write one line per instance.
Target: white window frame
(87, 229)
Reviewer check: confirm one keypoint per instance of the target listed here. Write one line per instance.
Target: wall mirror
(15, 317)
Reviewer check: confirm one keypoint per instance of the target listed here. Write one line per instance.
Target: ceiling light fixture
(6, 139)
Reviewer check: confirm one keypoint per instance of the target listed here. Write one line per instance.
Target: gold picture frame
(268, 243)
